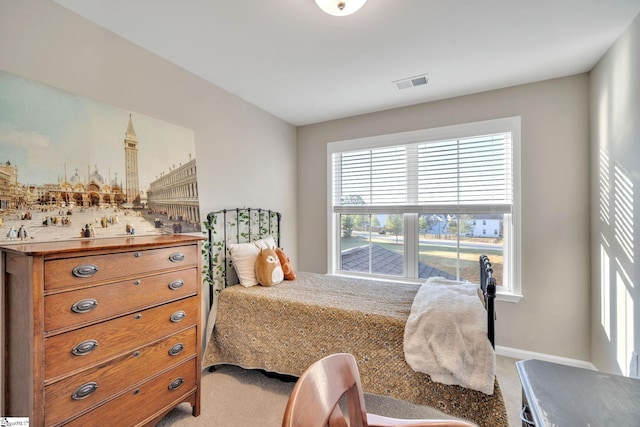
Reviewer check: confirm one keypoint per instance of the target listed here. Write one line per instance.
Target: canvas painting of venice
(74, 168)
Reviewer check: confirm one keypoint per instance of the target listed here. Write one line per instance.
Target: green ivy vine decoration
(211, 251)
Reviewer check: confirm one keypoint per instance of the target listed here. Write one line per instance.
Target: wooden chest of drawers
(101, 331)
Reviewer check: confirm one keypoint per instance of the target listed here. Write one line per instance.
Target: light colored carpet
(234, 397)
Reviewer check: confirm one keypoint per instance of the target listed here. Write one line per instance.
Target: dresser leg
(196, 407)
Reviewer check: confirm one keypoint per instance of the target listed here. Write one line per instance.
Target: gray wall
(553, 317)
(615, 135)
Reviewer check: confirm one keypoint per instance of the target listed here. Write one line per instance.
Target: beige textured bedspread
(287, 327)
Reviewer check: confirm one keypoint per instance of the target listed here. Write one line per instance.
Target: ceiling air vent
(411, 82)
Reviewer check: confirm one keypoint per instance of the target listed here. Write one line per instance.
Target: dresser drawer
(80, 271)
(79, 392)
(71, 351)
(102, 302)
(143, 401)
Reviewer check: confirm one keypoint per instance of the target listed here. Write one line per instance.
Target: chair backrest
(315, 397)
(314, 401)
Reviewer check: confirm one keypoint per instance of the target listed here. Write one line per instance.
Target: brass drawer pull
(85, 270)
(178, 316)
(84, 391)
(175, 384)
(84, 348)
(176, 284)
(176, 349)
(84, 305)
(176, 257)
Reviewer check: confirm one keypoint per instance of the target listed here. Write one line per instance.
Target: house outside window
(427, 203)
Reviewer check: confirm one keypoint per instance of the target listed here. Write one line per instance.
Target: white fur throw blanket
(446, 335)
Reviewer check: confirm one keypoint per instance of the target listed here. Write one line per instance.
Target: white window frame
(511, 289)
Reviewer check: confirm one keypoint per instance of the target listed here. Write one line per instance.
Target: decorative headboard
(228, 226)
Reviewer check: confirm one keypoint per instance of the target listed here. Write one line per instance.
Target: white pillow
(244, 255)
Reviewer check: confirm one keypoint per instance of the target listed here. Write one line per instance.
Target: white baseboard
(524, 354)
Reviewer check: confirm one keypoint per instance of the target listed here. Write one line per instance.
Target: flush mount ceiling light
(340, 7)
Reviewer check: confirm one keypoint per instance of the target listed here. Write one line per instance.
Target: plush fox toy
(268, 268)
(285, 262)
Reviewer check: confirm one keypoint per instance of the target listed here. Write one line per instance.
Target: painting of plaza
(74, 168)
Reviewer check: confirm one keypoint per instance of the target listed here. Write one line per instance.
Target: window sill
(501, 296)
(508, 297)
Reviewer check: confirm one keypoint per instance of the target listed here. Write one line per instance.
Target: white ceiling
(304, 66)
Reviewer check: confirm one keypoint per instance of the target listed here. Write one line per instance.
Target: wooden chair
(315, 397)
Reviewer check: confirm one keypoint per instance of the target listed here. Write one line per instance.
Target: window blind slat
(436, 209)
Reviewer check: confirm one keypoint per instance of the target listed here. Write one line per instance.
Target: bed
(284, 328)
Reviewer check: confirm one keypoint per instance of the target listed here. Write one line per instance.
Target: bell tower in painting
(131, 165)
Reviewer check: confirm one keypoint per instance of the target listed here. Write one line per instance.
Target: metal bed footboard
(488, 286)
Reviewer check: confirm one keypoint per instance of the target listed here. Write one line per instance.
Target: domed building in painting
(91, 191)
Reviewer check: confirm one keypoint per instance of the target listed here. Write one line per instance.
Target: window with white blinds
(427, 202)
(466, 175)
